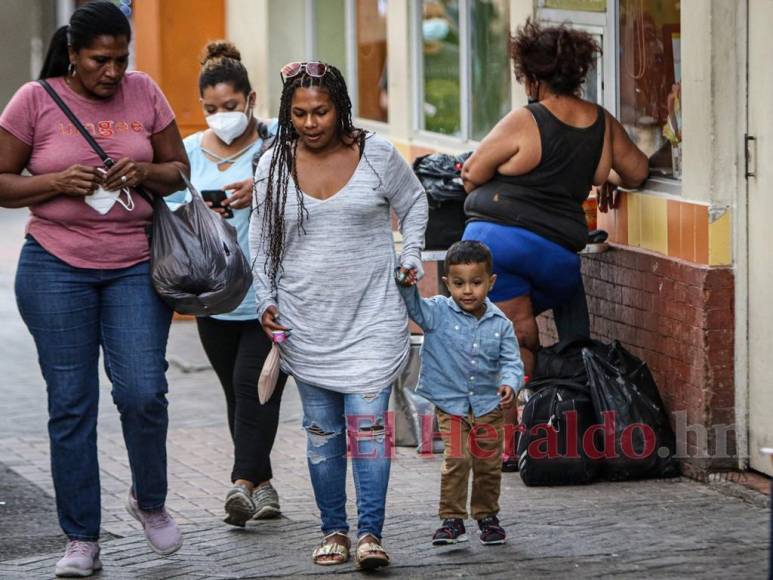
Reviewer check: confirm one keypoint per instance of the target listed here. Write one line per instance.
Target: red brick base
(679, 318)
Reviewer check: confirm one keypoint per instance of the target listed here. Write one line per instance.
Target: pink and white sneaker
(161, 531)
(80, 559)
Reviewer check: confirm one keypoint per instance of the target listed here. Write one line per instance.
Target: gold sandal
(370, 554)
(329, 553)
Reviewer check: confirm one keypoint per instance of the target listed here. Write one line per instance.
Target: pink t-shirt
(67, 226)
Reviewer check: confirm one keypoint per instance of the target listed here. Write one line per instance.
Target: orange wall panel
(170, 35)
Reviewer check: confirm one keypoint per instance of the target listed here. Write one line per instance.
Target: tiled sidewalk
(654, 529)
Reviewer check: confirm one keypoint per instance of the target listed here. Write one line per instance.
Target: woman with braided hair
(324, 263)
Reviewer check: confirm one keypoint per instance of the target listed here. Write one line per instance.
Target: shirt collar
(491, 310)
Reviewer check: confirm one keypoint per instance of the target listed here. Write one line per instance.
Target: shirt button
(496, 334)
(456, 328)
(472, 378)
(474, 345)
(471, 392)
(474, 362)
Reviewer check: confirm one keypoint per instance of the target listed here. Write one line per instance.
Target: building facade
(685, 284)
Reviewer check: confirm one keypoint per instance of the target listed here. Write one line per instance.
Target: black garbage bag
(197, 266)
(440, 175)
(638, 440)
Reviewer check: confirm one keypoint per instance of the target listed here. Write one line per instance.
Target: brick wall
(678, 317)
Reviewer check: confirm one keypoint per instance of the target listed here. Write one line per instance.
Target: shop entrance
(760, 216)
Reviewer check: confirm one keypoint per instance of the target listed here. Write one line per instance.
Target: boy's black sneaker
(491, 532)
(451, 532)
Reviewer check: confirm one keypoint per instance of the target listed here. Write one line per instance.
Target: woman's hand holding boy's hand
(506, 395)
(406, 276)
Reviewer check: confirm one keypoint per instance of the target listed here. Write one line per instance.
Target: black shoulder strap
(78, 125)
(86, 135)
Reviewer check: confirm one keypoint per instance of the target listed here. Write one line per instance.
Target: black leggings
(237, 349)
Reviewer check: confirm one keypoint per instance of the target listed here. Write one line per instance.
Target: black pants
(237, 350)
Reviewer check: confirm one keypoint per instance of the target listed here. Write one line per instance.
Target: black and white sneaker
(491, 533)
(451, 532)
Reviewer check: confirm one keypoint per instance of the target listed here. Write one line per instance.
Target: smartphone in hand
(216, 198)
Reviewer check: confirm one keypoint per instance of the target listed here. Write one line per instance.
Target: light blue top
(206, 175)
(464, 360)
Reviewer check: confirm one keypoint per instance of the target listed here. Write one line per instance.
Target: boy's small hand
(506, 395)
(405, 276)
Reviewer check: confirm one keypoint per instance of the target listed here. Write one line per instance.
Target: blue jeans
(71, 312)
(328, 417)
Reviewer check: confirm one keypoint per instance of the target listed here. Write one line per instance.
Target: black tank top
(548, 199)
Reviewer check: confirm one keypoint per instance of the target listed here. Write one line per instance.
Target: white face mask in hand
(229, 125)
(103, 200)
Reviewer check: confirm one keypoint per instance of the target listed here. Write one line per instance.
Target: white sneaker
(80, 559)
(161, 531)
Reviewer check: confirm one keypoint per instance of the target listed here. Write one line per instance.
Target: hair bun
(220, 49)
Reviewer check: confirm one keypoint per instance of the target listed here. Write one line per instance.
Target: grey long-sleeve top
(337, 290)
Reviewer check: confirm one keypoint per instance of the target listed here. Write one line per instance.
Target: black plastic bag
(638, 440)
(197, 265)
(440, 175)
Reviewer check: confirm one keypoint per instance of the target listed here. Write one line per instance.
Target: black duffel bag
(639, 440)
(440, 175)
(556, 434)
(564, 359)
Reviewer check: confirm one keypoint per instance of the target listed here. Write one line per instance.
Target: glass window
(329, 29)
(490, 64)
(441, 67)
(371, 35)
(650, 80)
(579, 5)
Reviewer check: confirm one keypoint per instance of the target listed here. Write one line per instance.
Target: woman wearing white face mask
(222, 159)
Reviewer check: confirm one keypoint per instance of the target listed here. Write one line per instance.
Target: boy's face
(469, 284)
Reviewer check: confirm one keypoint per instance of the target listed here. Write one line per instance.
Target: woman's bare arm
(630, 166)
(18, 190)
(496, 148)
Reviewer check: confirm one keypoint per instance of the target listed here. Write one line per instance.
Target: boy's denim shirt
(464, 360)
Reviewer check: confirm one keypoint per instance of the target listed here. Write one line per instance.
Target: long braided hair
(283, 164)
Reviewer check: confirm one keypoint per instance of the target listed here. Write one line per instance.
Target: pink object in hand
(279, 336)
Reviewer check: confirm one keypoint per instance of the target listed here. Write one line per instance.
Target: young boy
(470, 369)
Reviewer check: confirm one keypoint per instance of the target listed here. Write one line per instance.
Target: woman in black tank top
(529, 177)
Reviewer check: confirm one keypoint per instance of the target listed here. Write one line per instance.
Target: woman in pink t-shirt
(83, 277)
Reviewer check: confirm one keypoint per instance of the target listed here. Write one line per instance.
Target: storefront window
(650, 81)
(490, 91)
(371, 34)
(329, 29)
(440, 50)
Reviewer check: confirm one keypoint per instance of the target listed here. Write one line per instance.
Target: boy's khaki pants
(471, 443)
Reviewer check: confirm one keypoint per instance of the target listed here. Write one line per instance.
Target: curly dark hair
(283, 160)
(558, 56)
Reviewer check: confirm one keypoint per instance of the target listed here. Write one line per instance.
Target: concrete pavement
(653, 529)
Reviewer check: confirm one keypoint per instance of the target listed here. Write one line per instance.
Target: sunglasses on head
(313, 69)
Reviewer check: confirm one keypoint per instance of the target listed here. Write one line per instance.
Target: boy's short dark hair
(469, 252)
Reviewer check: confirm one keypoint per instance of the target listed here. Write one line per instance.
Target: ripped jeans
(327, 417)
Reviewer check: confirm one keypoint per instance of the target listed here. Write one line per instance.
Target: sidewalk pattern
(664, 529)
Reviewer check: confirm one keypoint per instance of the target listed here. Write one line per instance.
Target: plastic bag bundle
(269, 375)
(629, 406)
(441, 176)
(197, 265)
